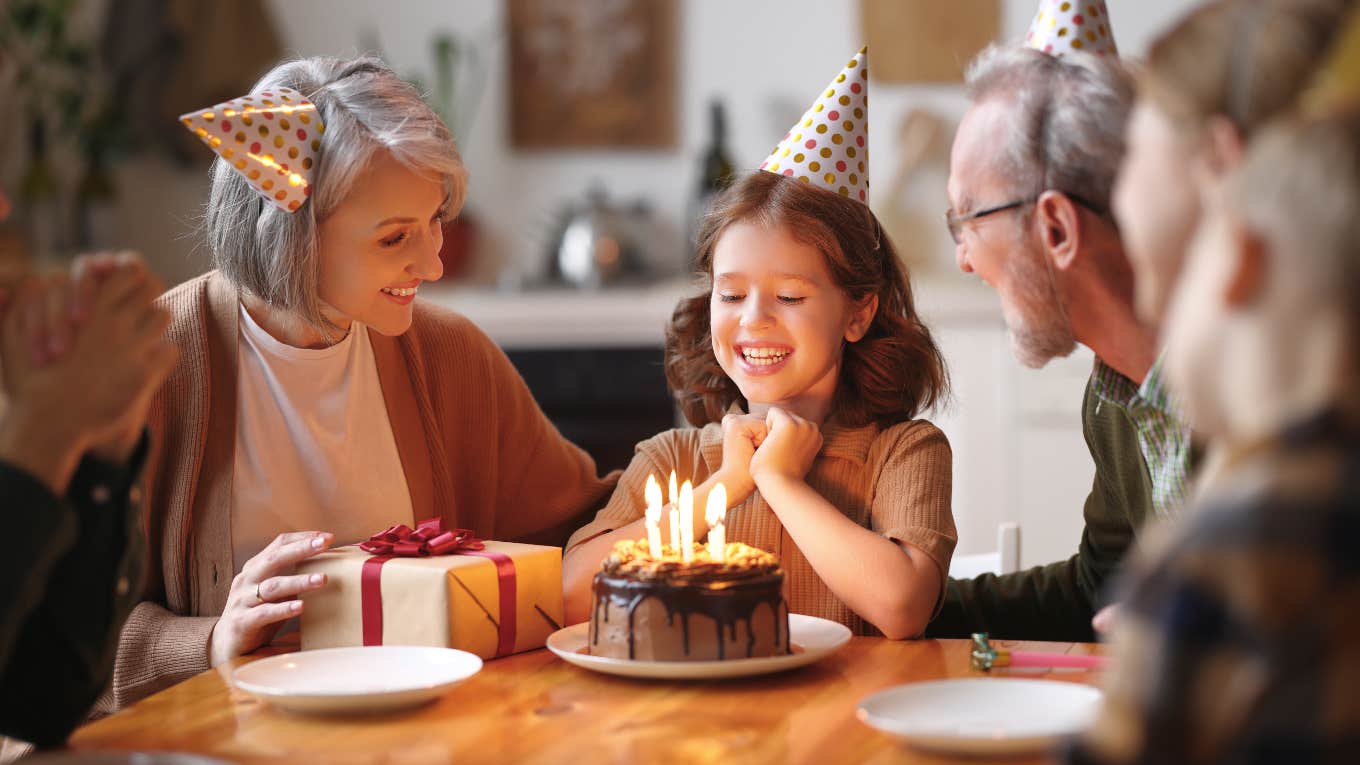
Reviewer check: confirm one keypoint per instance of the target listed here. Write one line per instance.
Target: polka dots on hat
(276, 163)
(829, 139)
(1063, 26)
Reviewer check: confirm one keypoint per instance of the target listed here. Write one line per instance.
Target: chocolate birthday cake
(652, 608)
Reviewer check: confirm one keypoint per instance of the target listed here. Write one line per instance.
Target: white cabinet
(1019, 455)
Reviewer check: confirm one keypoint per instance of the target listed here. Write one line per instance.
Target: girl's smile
(761, 358)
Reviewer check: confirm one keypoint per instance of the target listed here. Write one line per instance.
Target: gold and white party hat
(1064, 26)
(271, 138)
(829, 146)
(1336, 85)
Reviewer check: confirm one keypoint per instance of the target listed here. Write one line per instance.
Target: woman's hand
(742, 435)
(264, 594)
(788, 450)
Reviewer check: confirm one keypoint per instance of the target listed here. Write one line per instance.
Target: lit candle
(687, 522)
(716, 515)
(675, 514)
(653, 493)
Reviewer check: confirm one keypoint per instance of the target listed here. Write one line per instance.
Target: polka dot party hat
(271, 138)
(829, 145)
(1336, 85)
(1063, 26)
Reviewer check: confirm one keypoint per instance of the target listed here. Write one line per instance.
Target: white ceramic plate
(982, 715)
(813, 639)
(358, 679)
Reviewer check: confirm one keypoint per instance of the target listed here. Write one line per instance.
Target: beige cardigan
(474, 446)
(896, 482)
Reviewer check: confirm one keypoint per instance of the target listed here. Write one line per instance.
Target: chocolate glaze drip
(726, 600)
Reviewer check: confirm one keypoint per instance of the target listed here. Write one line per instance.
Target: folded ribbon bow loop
(426, 539)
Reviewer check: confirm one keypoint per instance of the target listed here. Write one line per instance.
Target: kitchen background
(106, 166)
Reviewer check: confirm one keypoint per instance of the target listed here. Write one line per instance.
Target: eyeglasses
(955, 221)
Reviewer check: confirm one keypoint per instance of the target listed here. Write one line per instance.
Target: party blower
(987, 657)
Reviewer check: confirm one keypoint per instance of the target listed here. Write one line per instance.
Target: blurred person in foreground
(1202, 93)
(80, 356)
(1238, 636)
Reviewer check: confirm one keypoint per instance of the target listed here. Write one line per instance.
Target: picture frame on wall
(592, 74)
(927, 41)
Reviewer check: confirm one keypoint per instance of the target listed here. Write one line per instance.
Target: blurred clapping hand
(81, 354)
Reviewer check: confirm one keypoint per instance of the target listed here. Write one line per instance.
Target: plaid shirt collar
(1164, 438)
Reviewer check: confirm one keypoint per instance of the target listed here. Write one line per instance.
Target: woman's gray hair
(1067, 118)
(365, 108)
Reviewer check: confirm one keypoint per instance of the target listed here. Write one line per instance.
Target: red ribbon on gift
(426, 539)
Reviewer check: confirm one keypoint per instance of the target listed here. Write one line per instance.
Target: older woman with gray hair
(1032, 170)
(316, 400)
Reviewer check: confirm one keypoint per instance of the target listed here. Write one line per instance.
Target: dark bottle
(715, 175)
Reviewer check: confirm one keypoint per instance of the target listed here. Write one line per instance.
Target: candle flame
(653, 495)
(673, 491)
(716, 512)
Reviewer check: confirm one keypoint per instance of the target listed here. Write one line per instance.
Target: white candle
(675, 513)
(687, 522)
(716, 515)
(653, 493)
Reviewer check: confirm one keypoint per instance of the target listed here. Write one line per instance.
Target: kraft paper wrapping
(447, 600)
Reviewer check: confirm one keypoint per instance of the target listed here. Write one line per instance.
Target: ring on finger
(258, 596)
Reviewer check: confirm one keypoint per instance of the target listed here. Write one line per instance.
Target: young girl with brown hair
(803, 366)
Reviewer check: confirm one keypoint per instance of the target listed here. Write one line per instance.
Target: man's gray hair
(365, 108)
(1066, 121)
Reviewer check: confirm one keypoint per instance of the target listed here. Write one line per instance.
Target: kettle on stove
(597, 244)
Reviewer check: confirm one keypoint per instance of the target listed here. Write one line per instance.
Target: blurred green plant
(60, 100)
(459, 73)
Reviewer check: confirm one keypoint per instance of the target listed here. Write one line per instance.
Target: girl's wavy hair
(890, 375)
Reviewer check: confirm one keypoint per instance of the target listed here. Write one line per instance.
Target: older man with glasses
(1031, 172)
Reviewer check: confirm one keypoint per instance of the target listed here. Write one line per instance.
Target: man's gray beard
(1036, 347)
(1037, 324)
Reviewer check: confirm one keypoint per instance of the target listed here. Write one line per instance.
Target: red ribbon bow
(426, 539)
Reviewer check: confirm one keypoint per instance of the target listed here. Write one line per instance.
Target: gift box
(435, 588)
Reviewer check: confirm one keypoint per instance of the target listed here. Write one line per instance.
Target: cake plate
(813, 639)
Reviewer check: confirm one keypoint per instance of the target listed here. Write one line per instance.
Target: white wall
(765, 58)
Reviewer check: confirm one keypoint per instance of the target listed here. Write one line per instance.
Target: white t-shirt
(314, 447)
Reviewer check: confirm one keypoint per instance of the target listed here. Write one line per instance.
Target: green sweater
(1057, 601)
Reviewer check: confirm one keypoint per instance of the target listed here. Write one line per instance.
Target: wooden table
(535, 708)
